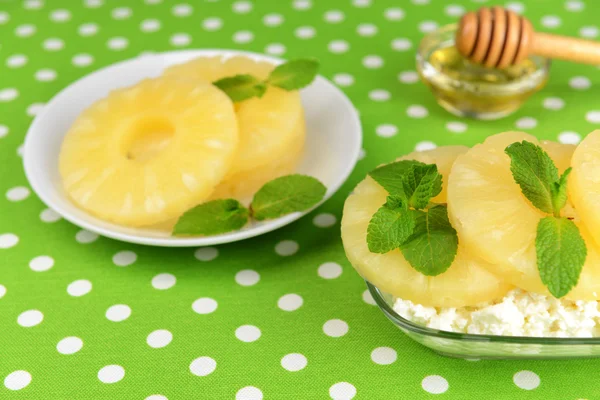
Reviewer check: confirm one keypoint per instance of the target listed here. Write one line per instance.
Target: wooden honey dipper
(496, 37)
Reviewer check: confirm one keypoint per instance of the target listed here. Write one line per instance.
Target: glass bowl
(471, 346)
(470, 90)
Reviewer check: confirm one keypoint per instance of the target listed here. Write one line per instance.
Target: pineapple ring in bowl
(333, 143)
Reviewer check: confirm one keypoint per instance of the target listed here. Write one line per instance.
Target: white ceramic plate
(333, 142)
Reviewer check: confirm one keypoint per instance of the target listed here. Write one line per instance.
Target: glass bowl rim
(469, 337)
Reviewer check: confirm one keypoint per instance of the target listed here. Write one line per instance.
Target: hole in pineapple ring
(147, 138)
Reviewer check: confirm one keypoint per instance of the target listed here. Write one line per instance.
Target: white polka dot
(49, 215)
(247, 277)
(247, 333)
(394, 14)
(593, 116)
(20, 150)
(8, 240)
(342, 391)
(334, 16)
(275, 49)
(302, 4)
(294, 362)
(117, 43)
(343, 79)
(34, 109)
(569, 137)
(79, 287)
(16, 61)
(372, 62)
(417, 111)
(3, 131)
(33, 4)
(589, 32)
(574, 5)
(305, 32)
(89, 29)
(180, 39)
(94, 3)
(425, 145)
(384, 355)
(290, 302)
(182, 10)
(2, 291)
(428, 26)
(580, 83)
(434, 384)
(551, 21)
(329, 270)
(386, 130)
(456, 126)
(121, 13)
(118, 312)
(203, 366)
(335, 328)
(401, 44)
(69, 345)
(153, 1)
(60, 15)
(150, 25)
(25, 30)
(17, 380)
(8, 94)
(4, 17)
(338, 46)
(206, 253)
(553, 103)
(163, 281)
(324, 220)
(273, 19)
(41, 263)
(30, 318)
(367, 30)
(124, 258)
(45, 75)
(361, 3)
(159, 338)
(243, 37)
(242, 7)
(454, 10)
(85, 237)
(408, 77)
(249, 393)
(514, 6)
(204, 305)
(286, 248)
(526, 380)
(111, 374)
(423, 2)
(82, 60)
(526, 123)
(156, 397)
(379, 95)
(368, 298)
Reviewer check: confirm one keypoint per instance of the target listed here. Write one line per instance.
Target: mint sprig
(390, 226)
(292, 75)
(212, 218)
(560, 250)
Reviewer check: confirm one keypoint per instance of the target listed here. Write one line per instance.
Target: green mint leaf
(561, 253)
(421, 183)
(432, 247)
(295, 74)
(241, 87)
(212, 218)
(389, 176)
(559, 193)
(535, 172)
(390, 226)
(285, 195)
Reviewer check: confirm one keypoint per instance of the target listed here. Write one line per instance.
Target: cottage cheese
(519, 313)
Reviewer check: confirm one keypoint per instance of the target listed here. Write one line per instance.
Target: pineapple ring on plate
(272, 128)
(497, 223)
(467, 282)
(149, 152)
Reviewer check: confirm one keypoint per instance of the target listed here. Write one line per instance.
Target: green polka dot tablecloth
(282, 316)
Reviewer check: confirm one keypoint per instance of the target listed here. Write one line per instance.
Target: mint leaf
(432, 247)
(535, 172)
(295, 74)
(421, 183)
(559, 193)
(390, 226)
(389, 176)
(241, 87)
(285, 195)
(211, 218)
(561, 253)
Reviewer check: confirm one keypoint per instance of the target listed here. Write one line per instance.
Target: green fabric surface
(290, 284)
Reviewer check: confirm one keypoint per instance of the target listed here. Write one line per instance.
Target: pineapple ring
(467, 281)
(272, 128)
(497, 223)
(149, 152)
